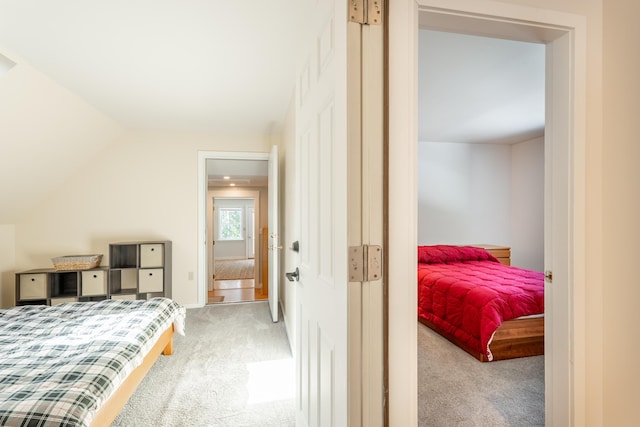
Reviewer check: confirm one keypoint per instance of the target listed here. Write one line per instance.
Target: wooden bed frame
(112, 407)
(514, 338)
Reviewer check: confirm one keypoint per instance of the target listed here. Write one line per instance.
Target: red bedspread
(466, 292)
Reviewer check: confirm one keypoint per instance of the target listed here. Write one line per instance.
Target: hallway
(239, 290)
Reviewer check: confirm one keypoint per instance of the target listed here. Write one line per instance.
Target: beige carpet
(454, 389)
(234, 368)
(234, 269)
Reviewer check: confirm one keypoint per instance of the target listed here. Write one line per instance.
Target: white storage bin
(33, 286)
(94, 282)
(150, 280)
(151, 255)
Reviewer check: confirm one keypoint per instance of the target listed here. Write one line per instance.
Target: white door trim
(203, 156)
(239, 194)
(487, 18)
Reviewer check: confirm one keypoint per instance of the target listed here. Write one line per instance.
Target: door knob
(293, 276)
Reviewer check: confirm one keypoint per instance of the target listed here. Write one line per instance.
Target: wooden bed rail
(514, 338)
(112, 407)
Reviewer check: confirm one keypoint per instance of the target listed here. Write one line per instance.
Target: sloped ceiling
(201, 65)
(46, 134)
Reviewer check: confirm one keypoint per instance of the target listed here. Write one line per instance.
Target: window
(230, 223)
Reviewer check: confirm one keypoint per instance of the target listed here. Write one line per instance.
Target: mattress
(465, 292)
(60, 364)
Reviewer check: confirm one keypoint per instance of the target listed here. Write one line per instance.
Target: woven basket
(76, 262)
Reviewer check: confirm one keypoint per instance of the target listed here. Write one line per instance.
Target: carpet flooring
(234, 269)
(233, 368)
(454, 389)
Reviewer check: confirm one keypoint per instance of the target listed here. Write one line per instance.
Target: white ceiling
(228, 66)
(479, 90)
(198, 65)
(240, 173)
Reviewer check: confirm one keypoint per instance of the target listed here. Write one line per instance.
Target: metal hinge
(549, 275)
(368, 12)
(365, 263)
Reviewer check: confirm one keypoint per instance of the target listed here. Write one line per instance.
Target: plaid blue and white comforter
(59, 364)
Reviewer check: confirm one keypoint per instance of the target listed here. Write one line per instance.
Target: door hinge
(549, 275)
(365, 263)
(366, 12)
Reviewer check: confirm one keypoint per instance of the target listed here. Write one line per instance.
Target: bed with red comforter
(467, 295)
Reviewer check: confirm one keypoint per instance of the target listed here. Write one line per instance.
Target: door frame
(242, 194)
(565, 34)
(251, 213)
(203, 187)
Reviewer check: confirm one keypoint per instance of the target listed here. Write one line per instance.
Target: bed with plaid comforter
(58, 365)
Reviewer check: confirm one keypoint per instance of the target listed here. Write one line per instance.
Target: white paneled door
(274, 236)
(321, 297)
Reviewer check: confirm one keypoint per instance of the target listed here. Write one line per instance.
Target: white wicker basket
(76, 262)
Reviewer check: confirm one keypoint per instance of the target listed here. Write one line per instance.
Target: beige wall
(621, 213)
(143, 186)
(7, 261)
(47, 134)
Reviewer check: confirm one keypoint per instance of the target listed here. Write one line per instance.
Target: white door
(558, 231)
(212, 256)
(250, 222)
(274, 236)
(321, 297)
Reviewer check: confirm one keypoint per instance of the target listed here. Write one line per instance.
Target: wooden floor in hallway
(227, 291)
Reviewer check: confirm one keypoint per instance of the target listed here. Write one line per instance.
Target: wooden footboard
(112, 407)
(518, 338)
(514, 338)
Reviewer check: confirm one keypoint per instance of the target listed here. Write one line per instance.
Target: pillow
(439, 254)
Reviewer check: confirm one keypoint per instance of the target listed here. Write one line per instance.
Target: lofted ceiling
(197, 66)
(479, 90)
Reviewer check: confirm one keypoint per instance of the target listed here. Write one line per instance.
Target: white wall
(464, 193)
(483, 193)
(142, 187)
(7, 262)
(527, 204)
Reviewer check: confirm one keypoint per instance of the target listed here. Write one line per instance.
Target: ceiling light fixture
(226, 177)
(232, 185)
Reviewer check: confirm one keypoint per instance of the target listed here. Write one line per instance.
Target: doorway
(235, 272)
(565, 39)
(480, 179)
(233, 215)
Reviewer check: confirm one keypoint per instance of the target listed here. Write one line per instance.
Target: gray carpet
(455, 389)
(233, 368)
